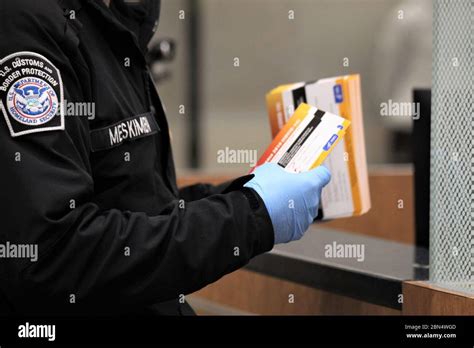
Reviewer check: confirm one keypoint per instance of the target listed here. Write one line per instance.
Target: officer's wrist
(252, 197)
(262, 218)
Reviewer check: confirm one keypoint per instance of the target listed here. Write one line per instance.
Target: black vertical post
(193, 110)
(421, 154)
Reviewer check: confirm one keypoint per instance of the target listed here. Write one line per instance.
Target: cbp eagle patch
(31, 94)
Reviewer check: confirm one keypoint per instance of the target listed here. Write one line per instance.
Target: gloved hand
(291, 199)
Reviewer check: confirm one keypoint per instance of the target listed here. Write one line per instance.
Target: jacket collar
(138, 19)
(68, 5)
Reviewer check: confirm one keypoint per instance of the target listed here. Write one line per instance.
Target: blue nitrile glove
(291, 199)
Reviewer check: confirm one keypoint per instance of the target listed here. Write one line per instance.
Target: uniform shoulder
(24, 21)
(33, 12)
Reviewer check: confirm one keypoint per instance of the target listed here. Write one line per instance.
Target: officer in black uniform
(98, 196)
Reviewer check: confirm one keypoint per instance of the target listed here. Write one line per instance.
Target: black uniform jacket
(98, 194)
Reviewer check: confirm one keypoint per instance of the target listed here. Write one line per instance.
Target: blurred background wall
(388, 42)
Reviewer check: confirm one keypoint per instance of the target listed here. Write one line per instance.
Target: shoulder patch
(31, 94)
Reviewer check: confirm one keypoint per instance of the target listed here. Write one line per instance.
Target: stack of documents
(303, 139)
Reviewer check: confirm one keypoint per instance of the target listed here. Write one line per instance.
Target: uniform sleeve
(88, 259)
(202, 190)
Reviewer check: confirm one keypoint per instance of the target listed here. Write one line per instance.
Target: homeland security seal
(31, 94)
